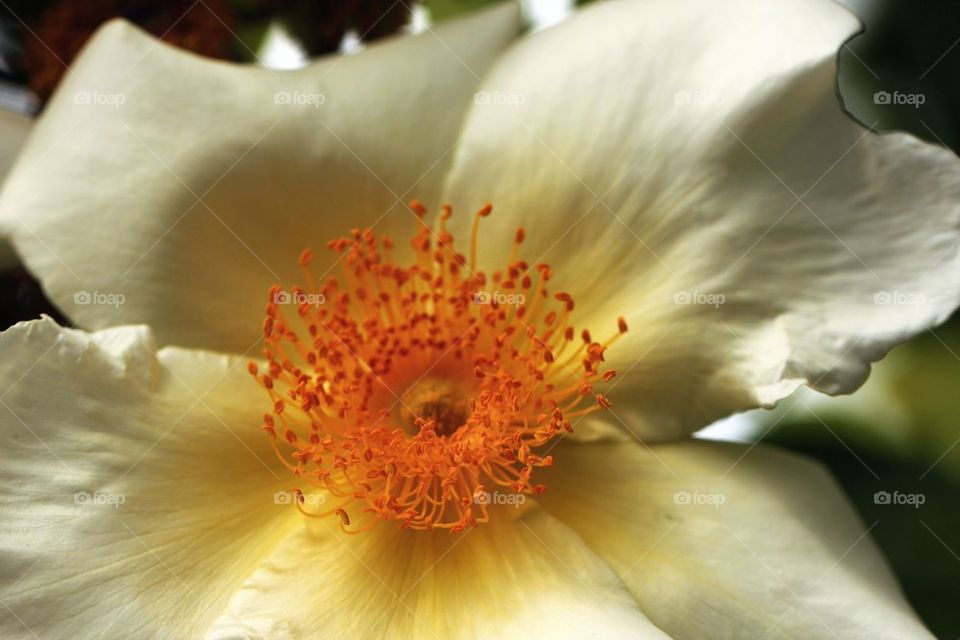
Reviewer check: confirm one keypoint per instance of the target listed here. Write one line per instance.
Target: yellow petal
(728, 541)
(137, 486)
(207, 179)
(525, 575)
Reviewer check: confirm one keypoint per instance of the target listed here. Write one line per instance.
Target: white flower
(684, 165)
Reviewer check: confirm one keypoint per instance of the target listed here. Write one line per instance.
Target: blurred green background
(900, 433)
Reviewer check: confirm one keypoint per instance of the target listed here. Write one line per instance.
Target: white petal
(689, 166)
(137, 486)
(190, 186)
(727, 541)
(524, 575)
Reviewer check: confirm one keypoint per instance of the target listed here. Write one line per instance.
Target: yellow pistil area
(406, 392)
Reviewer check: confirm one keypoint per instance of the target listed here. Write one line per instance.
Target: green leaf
(444, 9)
(250, 36)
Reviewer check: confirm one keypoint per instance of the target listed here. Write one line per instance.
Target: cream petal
(689, 166)
(191, 186)
(137, 486)
(523, 575)
(718, 540)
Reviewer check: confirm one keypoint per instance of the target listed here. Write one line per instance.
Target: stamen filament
(412, 392)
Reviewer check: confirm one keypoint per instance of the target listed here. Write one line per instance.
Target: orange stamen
(408, 390)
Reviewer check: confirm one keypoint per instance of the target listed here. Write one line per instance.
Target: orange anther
(417, 207)
(410, 388)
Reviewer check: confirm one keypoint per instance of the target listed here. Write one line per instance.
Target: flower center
(441, 402)
(410, 390)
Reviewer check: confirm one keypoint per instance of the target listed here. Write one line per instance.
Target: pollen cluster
(409, 392)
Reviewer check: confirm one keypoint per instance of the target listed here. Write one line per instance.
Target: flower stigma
(406, 393)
